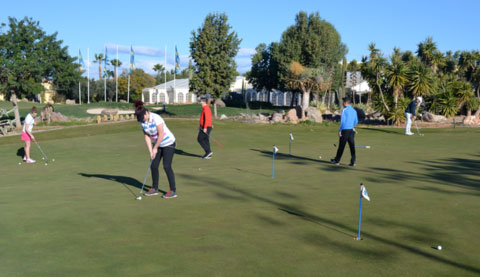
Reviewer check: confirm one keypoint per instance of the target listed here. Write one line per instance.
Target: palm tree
(99, 59)
(438, 60)
(159, 69)
(421, 80)
(116, 63)
(426, 51)
(397, 77)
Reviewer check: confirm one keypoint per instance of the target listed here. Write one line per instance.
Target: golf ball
(46, 164)
(439, 247)
(43, 158)
(139, 198)
(319, 157)
(53, 160)
(19, 163)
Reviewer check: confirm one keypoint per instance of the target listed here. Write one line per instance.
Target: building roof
(179, 84)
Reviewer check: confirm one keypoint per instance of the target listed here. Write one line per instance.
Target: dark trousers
(167, 154)
(347, 136)
(203, 139)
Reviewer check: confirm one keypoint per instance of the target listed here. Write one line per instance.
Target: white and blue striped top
(150, 128)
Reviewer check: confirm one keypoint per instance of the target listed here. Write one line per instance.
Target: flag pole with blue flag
(363, 194)
(105, 73)
(275, 150)
(130, 70)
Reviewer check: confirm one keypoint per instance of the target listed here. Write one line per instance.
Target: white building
(176, 92)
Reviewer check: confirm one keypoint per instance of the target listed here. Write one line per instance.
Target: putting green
(78, 215)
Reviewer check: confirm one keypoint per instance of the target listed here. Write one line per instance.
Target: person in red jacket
(205, 129)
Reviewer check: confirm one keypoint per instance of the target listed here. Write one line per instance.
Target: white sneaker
(30, 161)
(409, 134)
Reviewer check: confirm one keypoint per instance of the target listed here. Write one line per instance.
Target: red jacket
(206, 117)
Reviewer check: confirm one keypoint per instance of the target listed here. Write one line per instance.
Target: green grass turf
(78, 216)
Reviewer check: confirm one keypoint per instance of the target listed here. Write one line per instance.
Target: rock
(292, 116)
(277, 117)
(429, 117)
(109, 111)
(220, 103)
(314, 115)
(123, 101)
(58, 117)
(70, 102)
(223, 117)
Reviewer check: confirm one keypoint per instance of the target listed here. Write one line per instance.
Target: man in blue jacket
(346, 133)
(410, 114)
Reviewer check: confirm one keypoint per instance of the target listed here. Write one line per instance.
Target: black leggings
(167, 154)
(203, 139)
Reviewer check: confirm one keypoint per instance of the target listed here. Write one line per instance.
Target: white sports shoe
(30, 161)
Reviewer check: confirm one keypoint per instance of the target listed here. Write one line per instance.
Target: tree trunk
(18, 123)
(215, 109)
(381, 94)
(305, 102)
(100, 71)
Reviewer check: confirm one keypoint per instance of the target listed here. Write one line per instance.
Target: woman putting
(157, 134)
(27, 135)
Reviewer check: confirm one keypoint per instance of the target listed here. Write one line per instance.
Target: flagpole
(169, 100)
(116, 78)
(104, 75)
(79, 81)
(128, 89)
(360, 217)
(174, 71)
(273, 162)
(88, 80)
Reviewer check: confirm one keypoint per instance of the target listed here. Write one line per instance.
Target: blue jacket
(349, 118)
(411, 107)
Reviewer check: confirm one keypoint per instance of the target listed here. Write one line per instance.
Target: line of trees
(306, 60)
(449, 82)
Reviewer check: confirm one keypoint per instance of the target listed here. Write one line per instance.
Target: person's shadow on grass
(124, 180)
(21, 152)
(183, 153)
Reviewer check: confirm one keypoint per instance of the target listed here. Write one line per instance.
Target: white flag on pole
(291, 136)
(275, 149)
(364, 192)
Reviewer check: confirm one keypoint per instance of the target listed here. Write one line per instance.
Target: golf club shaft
(145, 179)
(216, 141)
(43, 153)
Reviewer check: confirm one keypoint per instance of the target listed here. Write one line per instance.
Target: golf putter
(139, 197)
(418, 130)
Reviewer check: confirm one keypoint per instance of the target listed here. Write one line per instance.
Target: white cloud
(246, 52)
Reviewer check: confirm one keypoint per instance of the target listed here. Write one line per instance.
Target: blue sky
(151, 25)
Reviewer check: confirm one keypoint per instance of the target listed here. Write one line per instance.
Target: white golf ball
(139, 198)
(319, 157)
(43, 158)
(19, 163)
(53, 160)
(46, 164)
(439, 247)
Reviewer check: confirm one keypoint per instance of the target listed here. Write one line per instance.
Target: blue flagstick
(275, 149)
(363, 194)
(360, 217)
(290, 145)
(273, 163)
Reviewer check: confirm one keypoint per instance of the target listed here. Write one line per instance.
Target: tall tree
(98, 58)
(213, 48)
(159, 68)
(263, 74)
(29, 56)
(397, 77)
(312, 42)
(115, 63)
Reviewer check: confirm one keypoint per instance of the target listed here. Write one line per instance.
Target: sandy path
(99, 111)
